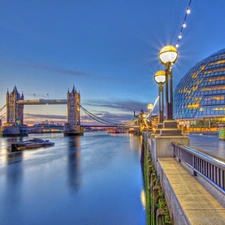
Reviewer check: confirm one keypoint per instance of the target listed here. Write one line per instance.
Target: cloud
(107, 116)
(116, 111)
(56, 70)
(45, 116)
(121, 105)
(85, 119)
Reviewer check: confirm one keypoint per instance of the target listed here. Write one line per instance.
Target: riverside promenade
(190, 199)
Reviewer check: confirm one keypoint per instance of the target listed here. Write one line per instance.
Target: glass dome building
(200, 94)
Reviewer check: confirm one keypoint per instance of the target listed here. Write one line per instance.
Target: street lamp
(150, 107)
(160, 78)
(168, 56)
(142, 120)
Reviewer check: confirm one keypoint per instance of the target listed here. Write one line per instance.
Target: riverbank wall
(156, 209)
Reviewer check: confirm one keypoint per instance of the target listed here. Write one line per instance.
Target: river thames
(95, 179)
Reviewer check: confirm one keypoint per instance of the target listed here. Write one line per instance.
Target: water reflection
(74, 175)
(64, 183)
(13, 178)
(14, 157)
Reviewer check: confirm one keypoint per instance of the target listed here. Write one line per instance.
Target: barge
(30, 144)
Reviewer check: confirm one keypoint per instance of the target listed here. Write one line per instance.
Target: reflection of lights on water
(143, 198)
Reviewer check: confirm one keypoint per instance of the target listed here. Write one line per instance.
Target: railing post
(179, 150)
(174, 150)
(202, 164)
(193, 165)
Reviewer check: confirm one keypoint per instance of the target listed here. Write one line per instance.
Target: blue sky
(108, 49)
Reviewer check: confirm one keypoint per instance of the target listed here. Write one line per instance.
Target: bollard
(149, 172)
(152, 178)
(160, 217)
(154, 200)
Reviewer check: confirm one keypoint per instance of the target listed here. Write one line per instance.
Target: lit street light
(168, 56)
(160, 79)
(150, 107)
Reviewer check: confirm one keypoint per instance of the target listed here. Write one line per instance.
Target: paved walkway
(192, 195)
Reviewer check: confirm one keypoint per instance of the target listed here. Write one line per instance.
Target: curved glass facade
(201, 92)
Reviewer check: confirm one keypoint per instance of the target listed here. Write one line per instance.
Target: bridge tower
(14, 111)
(73, 110)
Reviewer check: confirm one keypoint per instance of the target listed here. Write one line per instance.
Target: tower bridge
(15, 109)
(15, 113)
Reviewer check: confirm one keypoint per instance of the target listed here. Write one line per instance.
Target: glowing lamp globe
(168, 55)
(160, 77)
(150, 106)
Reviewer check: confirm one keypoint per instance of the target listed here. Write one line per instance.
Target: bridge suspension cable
(2, 108)
(128, 123)
(97, 118)
(3, 115)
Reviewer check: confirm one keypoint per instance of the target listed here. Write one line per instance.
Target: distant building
(199, 98)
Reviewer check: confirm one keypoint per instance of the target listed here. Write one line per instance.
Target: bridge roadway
(119, 126)
(42, 101)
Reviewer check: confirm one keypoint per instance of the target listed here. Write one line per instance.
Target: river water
(95, 179)
(209, 144)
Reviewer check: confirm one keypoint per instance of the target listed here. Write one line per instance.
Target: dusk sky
(107, 49)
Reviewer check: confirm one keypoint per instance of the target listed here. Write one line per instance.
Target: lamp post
(150, 107)
(142, 120)
(168, 56)
(160, 78)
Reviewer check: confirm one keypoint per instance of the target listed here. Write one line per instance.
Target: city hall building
(199, 98)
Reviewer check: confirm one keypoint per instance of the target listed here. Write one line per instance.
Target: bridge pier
(73, 130)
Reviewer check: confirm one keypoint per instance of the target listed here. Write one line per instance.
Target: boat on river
(116, 131)
(30, 144)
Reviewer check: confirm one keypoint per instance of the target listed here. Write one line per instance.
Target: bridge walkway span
(43, 102)
(191, 199)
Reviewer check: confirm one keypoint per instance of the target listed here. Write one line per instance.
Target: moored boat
(30, 144)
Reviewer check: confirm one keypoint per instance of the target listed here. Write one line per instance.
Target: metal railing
(209, 167)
